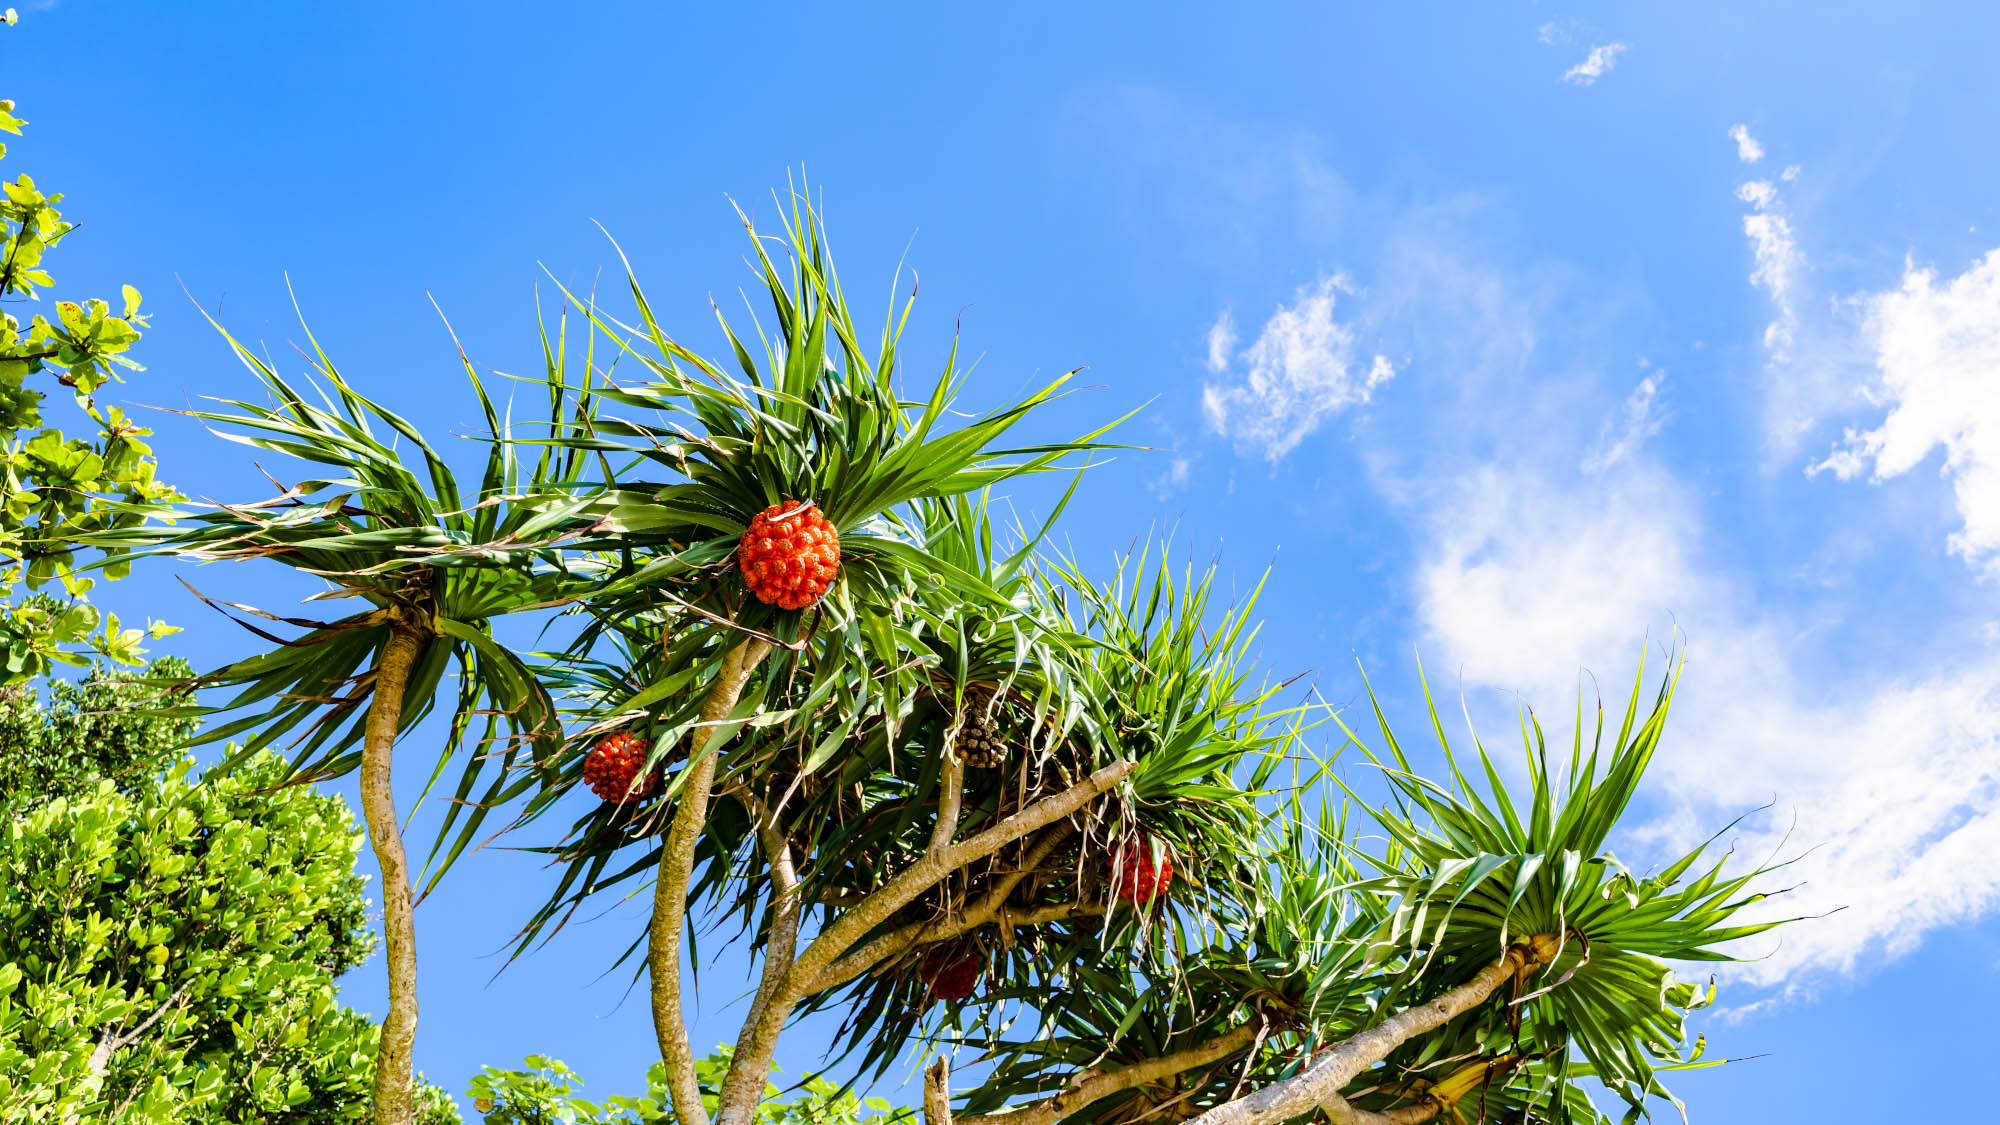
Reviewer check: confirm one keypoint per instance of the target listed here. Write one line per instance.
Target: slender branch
(1088, 1086)
(100, 1057)
(754, 1048)
(989, 906)
(1320, 1086)
(1434, 1097)
(927, 872)
(124, 1039)
(1037, 854)
(786, 904)
(938, 929)
(1340, 1111)
(663, 945)
(951, 794)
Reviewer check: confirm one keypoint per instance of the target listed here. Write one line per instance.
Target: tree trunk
(937, 1092)
(394, 1100)
(663, 944)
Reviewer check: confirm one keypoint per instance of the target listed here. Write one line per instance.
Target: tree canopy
(56, 490)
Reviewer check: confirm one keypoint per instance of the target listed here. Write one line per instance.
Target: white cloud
(1595, 65)
(1551, 34)
(1519, 579)
(1814, 352)
(1221, 341)
(1780, 262)
(1747, 148)
(1621, 437)
(1938, 358)
(1302, 370)
(1894, 783)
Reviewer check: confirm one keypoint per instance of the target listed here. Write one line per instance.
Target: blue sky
(1512, 335)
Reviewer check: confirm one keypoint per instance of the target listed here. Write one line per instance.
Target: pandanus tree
(953, 788)
(435, 565)
(759, 562)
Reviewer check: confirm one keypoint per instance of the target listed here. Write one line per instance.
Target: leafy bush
(101, 727)
(170, 954)
(545, 1092)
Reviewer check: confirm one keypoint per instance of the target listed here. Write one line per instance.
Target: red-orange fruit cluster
(612, 764)
(950, 975)
(790, 554)
(1135, 876)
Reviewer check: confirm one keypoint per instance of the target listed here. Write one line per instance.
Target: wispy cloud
(1303, 369)
(1596, 64)
(1779, 261)
(1815, 355)
(1221, 342)
(1938, 357)
(1747, 148)
(1621, 437)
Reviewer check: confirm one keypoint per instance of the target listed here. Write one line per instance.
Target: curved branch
(663, 944)
(1087, 1086)
(939, 929)
(925, 873)
(989, 908)
(1320, 1086)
